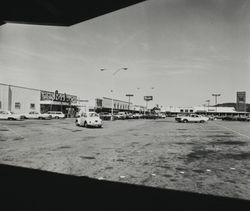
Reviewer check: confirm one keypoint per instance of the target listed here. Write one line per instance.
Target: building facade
(208, 110)
(22, 100)
(104, 104)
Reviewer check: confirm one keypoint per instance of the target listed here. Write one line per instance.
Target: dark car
(243, 118)
(105, 116)
(229, 118)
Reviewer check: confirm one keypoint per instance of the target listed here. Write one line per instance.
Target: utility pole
(216, 95)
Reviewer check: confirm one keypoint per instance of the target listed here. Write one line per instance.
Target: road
(211, 158)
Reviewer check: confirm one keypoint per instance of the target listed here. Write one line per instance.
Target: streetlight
(216, 95)
(208, 101)
(113, 76)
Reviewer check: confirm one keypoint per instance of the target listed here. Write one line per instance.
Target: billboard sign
(241, 101)
(241, 97)
(148, 98)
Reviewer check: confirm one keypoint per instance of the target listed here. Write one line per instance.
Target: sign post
(129, 95)
(147, 98)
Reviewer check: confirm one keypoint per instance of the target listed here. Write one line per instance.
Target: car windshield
(93, 115)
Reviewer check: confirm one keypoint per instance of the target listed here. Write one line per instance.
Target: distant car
(105, 116)
(236, 118)
(229, 118)
(243, 118)
(37, 115)
(122, 115)
(90, 119)
(192, 118)
(162, 115)
(211, 118)
(56, 114)
(8, 115)
(150, 116)
(136, 116)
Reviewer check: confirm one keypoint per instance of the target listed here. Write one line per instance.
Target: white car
(192, 118)
(8, 115)
(91, 119)
(37, 115)
(56, 114)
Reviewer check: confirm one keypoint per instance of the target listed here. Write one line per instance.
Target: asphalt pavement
(211, 158)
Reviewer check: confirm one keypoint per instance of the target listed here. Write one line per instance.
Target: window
(17, 105)
(191, 111)
(32, 106)
(186, 110)
(181, 110)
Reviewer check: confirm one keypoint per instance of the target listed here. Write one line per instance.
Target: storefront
(22, 100)
(55, 101)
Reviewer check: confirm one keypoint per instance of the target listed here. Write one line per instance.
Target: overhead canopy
(58, 12)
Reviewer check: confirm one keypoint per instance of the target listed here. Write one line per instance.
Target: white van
(56, 114)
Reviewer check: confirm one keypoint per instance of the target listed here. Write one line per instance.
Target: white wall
(25, 97)
(4, 96)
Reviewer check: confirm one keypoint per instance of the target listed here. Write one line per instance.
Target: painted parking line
(17, 134)
(229, 129)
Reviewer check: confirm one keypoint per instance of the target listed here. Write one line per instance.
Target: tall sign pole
(147, 98)
(216, 95)
(129, 95)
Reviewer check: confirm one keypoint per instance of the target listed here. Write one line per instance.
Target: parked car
(122, 115)
(236, 118)
(229, 118)
(56, 114)
(162, 115)
(37, 115)
(192, 118)
(105, 116)
(90, 119)
(243, 118)
(211, 118)
(136, 116)
(150, 116)
(8, 115)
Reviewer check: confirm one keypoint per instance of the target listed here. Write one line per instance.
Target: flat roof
(22, 87)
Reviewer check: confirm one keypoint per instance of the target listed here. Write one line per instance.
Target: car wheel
(185, 120)
(56, 117)
(202, 121)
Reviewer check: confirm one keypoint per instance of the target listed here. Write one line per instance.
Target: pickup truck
(192, 118)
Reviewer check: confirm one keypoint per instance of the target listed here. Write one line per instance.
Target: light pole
(216, 95)
(208, 101)
(113, 77)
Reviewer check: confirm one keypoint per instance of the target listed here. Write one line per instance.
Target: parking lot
(211, 158)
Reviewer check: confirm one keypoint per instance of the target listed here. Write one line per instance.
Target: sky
(185, 49)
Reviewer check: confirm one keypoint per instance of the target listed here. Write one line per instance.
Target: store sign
(241, 97)
(148, 98)
(98, 103)
(56, 96)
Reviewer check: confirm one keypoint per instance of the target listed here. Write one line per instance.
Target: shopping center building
(208, 110)
(22, 100)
